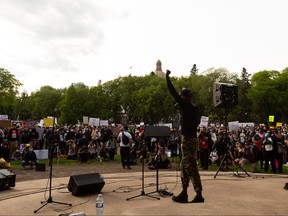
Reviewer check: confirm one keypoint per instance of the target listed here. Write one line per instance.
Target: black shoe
(198, 199)
(181, 198)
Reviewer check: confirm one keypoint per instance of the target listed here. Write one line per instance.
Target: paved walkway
(227, 194)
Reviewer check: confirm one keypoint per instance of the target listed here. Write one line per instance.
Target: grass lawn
(117, 160)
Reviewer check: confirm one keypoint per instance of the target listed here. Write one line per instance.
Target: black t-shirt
(189, 119)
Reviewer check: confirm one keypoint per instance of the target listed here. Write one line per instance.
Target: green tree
(75, 104)
(9, 86)
(24, 108)
(242, 112)
(45, 100)
(264, 94)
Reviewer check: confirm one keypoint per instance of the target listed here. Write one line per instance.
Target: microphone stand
(143, 153)
(161, 192)
(51, 150)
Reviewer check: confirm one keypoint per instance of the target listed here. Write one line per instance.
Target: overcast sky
(60, 42)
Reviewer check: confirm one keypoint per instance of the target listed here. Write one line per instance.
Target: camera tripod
(225, 158)
(143, 154)
(52, 146)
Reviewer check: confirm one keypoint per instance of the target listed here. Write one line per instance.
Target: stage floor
(227, 194)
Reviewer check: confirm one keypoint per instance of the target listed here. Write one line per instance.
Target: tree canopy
(135, 99)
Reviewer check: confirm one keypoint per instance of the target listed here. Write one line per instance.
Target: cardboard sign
(271, 118)
(204, 121)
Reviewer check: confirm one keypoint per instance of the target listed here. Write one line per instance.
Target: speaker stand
(227, 155)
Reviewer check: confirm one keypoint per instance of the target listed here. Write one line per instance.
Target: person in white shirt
(125, 147)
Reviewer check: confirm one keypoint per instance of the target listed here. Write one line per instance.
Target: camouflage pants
(189, 169)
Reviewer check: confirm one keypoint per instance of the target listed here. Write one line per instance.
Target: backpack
(125, 139)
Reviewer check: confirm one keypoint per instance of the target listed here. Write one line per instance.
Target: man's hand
(168, 72)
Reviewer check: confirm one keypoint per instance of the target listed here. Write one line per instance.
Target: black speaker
(157, 131)
(40, 167)
(7, 179)
(225, 95)
(85, 183)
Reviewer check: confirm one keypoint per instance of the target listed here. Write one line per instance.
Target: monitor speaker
(7, 179)
(225, 95)
(157, 131)
(85, 184)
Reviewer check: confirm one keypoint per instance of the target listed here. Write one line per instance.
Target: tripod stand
(143, 154)
(225, 158)
(227, 155)
(51, 150)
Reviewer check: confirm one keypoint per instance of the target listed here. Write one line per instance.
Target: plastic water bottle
(99, 205)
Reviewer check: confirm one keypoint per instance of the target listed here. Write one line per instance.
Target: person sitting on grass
(160, 159)
(83, 155)
(29, 157)
(111, 147)
(102, 153)
(245, 156)
(92, 150)
(71, 150)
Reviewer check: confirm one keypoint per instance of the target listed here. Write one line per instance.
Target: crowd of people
(259, 145)
(83, 143)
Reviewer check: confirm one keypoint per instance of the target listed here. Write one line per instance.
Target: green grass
(117, 160)
(63, 161)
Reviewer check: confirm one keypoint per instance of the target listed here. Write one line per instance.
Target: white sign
(41, 154)
(233, 125)
(3, 117)
(94, 121)
(104, 123)
(85, 119)
(204, 121)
